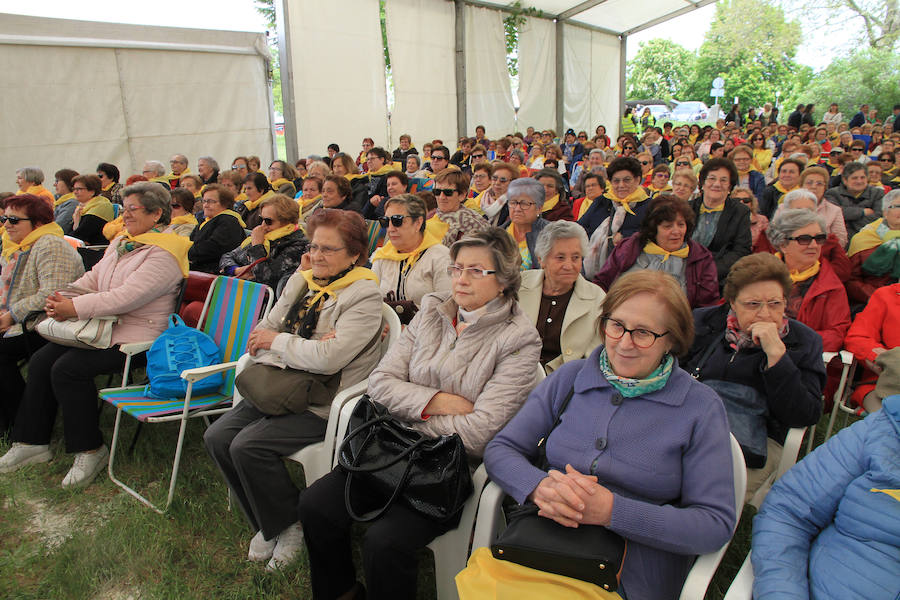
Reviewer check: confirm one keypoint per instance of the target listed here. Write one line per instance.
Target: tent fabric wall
(422, 45)
(605, 51)
(577, 66)
(591, 62)
(488, 93)
(92, 94)
(537, 74)
(339, 97)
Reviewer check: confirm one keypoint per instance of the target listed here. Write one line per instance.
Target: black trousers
(63, 377)
(12, 385)
(390, 545)
(248, 446)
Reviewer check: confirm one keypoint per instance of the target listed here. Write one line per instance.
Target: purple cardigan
(665, 456)
(701, 278)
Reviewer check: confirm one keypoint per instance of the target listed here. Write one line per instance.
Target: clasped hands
(573, 498)
(261, 339)
(59, 308)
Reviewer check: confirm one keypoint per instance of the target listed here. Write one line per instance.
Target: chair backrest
(417, 184)
(117, 208)
(540, 374)
(74, 241)
(739, 469)
(232, 309)
(375, 234)
(389, 316)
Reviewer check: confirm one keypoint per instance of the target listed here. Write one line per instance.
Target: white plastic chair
(842, 394)
(742, 586)
(789, 455)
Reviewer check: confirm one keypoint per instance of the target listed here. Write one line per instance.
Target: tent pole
(460, 56)
(623, 50)
(560, 79)
(282, 21)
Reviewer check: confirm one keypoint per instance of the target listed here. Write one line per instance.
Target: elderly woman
(758, 223)
(395, 183)
(748, 176)
(281, 178)
(860, 202)
(789, 170)
(875, 252)
(29, 180)
(526, 201)
(65, 204)
(221, 231)
(563, 305)
(193, 184)
(556, 205)
(337, 193)
(257, 189)
(815, 179)
(817, 298)
(753, 354)
(274, 247)
(93, 211)
(453, 221)
(627, 196)
(325, 324)
(684, 183)
(109, 179)
(873, 332)
(664, 244)
(36, 262)
(414, 167)
(660, 474)
(460, 367)
(137, 280)
(492, 202)
(183, 220)
(594, 208)
(723, 224)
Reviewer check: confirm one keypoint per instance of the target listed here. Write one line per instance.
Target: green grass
(279, 143)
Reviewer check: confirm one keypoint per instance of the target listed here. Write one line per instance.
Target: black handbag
(590, 553)
(430, 475)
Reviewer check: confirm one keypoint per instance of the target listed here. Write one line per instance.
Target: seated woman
(723, 224)
(65, 204)
(758, 223)
(220, 232)
(311, 197)
(817, 298)
(462, 366)
(274, 247)
(412, 262)
(257, 189)
(137, 280)
(337, 194)
(30, 180)
(829, 526)
(327, 322)
(109, 179)
(183, 220)
(742, 157)
(526, 199)
(875, 252)
(453, 221)
(193, 184)
(815, 179)
(684, 182)
(627, 197)
(659, 181)
(492, 202)
(281, 178)
(234, 183)
(660, 476)
(563, 305)
(36, 262)
(664, 244)
(93, 211)
(749, 348)
(874, 331)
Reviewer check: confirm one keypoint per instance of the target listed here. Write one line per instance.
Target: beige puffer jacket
(492, 364)
(428, 275)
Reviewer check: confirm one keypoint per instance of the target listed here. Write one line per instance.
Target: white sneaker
(261, 549)
(24, 454)
(290, 542)
(86, 466)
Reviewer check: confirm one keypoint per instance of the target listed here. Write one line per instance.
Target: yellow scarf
(550, 204)
(868, 238)
(184, 220)
(251, 204)
(692, 138)
(388, 252)
(436, 227)
(227, 212)
(798, 276)
(273, 235)
(762, 158)
(198, 195)
(352, 277)
(638, 195)
(652, 248)
(172, 176)
(777, 185)
(352, 176)
(99, 206)
(39, 191)
(280, 182)
(109, 187)
(705, 209)
(305, 203)
(176, 245)
(112, 229)
(240, 198)
(585, 205)
(10, 247)
(387, 168)
(63, 198)
(475, 203)
(511, 230)
(655, 190)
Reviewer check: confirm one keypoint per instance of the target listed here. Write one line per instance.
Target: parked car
(690, 111)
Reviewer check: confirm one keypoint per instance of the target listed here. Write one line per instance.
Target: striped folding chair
(232, 309)
(375, 234)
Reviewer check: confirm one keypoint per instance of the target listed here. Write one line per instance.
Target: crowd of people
(677, 283)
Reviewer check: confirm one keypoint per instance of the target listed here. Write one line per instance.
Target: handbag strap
(378, 512)
(367, 427)
(542, 462)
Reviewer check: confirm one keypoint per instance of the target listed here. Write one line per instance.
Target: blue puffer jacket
(830, 528)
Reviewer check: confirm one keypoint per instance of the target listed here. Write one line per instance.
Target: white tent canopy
(571, 68)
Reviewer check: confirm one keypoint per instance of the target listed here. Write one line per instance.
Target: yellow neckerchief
(240, 198)
(512, 233)
(227, 212)
(387, 168)
(550, 204)
(585, 205)
(798, 276)
(172, 176)
(352, 176)
(280, 182)
(868, 238)
(353, 276)
(895, 494)
(666, 188)
(112, 229)
(275, 234)
(198, 195)
(762, 158)
(705, 209)
(388, 252)
(184, 220)
(109, 187)
(638, 195)
(653, 248)
(162, 179)
(252, 204)
(436, 227)
(39, 191)
(99, 206)
(304, 203)
(174, 244)
(475, 203)
(63, 198)
(692, 138)
(777, 185)
(10, 247)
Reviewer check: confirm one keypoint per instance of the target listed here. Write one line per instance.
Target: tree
(879, 19)
(660, 69)
(864, 76)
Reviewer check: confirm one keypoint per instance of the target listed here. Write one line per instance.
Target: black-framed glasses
(12, 220)
(500, 179)
(175, 205)
(268, 221)
(477, 156)
(438, 157)
(395, 220)
(806, 239)
(443, 191)
(523, 204)
(682, 164)
(645, 162)
(642, 338)
(455, 272)
(746, 200)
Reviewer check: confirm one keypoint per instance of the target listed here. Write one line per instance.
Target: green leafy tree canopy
(660, 69)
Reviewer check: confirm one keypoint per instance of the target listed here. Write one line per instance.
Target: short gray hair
(417, 159)
(504, 253)
(414, 205)
(796, 195)
(212, 162)
(597, 151)
(559, 230)
(518, 154)
(788, 221)
(888, 198)
(152, 197)
(31, 174)
(155, 165)
(528, 187)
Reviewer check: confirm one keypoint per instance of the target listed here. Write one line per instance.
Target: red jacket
(861, 285)
(825, 308)
(832, 251)
(874, 327)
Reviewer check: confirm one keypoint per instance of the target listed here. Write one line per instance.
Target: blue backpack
(177, 348)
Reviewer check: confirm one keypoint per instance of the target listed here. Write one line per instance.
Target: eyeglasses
(268, 221)
(856, 149)
(325, 250)
(756, 305)
(12, 220)
(455, 272)
(238, 167)
(500, 179)
(175, 205)
(886, 159)
(642, 338)
(745, 200)
(395, 220)
(79, 189)
(209, 201)
(477, 156)
(523, 204)
(131, 209)
(682, 164)
(806, 239)
(645, 162)
(438, 157)
(443, 191)
(622, 181)
(628, 147)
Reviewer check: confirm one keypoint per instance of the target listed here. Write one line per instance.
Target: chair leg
(137, 433)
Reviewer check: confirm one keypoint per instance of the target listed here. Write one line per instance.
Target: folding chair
(742, 586)
(417, 184)
(789, 455)
(231, 311)
(842, 394)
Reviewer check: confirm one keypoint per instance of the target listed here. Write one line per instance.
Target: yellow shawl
(112, 229)
(63, 198)
(387, 168)
(280, 182)
(273, 235)
(99, 206)
(304, 204)
(653, 248)
(227, 211)
(762, 158)
(252, 204)
(868, 238)
(10, 247)
(706, 209)
(388, 252)
(174, 244)
(352, 277)
(550, 204)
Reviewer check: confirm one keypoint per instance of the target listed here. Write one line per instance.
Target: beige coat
(428, 275)
(354, 316)
(50, 265)
(581, 325)
(491, 364)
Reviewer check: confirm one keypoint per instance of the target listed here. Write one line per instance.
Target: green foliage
(863, 76)
(660, 69)
(384, 41)
(878, 20)
(267, 9)
(516, 18)
(275, 74)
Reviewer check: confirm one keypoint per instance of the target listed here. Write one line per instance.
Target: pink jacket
(140, 287)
